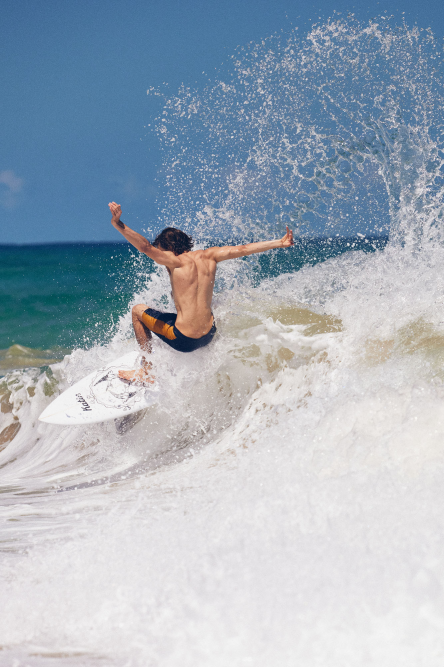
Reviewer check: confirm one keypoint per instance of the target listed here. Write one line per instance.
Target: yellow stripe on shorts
(158, 326)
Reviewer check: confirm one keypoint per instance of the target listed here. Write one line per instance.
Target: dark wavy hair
(173, 239)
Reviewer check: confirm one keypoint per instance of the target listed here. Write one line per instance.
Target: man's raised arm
(232, 252)
(163, 257)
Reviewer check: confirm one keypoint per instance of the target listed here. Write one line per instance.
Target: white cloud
(13, 182)
(10, 187)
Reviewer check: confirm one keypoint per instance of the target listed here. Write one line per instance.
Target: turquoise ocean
(55, 298)
(282, 502)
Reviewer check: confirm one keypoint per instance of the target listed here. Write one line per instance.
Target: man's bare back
(192, 275)
(192, 282)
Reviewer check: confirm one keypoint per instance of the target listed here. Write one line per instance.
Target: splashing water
(347, 122)
(282, 504)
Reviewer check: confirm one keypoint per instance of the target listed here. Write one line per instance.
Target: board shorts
(163, 325)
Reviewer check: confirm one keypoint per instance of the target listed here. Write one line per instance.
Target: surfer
(192, 274)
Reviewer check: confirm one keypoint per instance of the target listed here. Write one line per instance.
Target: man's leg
(143, 334)
(143, 337)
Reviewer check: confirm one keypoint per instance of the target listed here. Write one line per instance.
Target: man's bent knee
(139, 310)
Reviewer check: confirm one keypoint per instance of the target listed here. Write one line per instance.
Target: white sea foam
(293, 521)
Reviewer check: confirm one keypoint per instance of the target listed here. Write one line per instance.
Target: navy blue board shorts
(163, 325)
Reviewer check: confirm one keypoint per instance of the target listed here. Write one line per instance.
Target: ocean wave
(283, 463)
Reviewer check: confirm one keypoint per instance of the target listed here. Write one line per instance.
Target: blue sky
(74, 107)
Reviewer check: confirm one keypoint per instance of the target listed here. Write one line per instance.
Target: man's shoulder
(207, 253)
(202, 253)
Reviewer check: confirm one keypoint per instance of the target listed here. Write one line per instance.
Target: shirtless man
(192, 274)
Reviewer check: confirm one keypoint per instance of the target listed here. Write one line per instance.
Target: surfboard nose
(102, 396)
(50, 416)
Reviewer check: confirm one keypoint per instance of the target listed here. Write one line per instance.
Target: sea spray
(339, 131)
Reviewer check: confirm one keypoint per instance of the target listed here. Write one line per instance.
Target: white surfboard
(102, 395)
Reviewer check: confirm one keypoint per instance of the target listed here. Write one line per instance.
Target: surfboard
(101, 396)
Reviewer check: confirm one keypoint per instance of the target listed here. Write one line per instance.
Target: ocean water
(282, 504)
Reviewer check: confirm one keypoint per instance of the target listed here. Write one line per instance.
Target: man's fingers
(115, 209)
(289, 235)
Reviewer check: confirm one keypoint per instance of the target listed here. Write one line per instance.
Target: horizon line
(358, 236)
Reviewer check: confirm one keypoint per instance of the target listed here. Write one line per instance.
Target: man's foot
(141, 376)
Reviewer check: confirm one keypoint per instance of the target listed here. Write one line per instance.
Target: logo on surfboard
(109, 390)
(86, 406)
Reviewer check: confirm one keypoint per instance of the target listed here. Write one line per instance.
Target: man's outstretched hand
(287, 240)
(116, 212)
